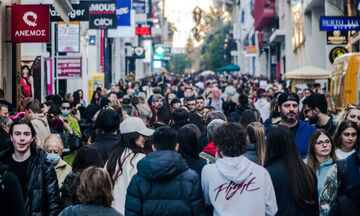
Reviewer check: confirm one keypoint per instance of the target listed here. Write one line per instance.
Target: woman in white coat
(124, 157)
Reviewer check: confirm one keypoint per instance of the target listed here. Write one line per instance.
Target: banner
(69, 37)
(123, 12)
(69, 67)
(30, 23)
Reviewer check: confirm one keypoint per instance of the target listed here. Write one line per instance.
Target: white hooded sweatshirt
(237, 186)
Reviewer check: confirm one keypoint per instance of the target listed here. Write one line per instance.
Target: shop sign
(337, 37)
(69, 37)
(331, 23)
(139, 6)
(102, 15)
(335, 52)
(123, 12)
(30, 23)
(251, 51)
(142, 31)
(80, 12)
(139, 52)
(69, 67)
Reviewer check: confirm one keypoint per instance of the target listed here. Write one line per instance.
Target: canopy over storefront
(307, 72)
(230, 67)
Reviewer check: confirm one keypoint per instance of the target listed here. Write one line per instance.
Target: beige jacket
(41, 127)
(62, 170)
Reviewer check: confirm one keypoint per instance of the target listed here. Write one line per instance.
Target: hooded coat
(233, 184)
(264, 108)
(164, 185)
(41, 127)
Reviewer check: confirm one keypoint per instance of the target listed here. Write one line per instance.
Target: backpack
(342, 171)
(3, 172)
(210, 100)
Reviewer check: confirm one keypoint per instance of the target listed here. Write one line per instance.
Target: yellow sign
(98, 80)
(130, 77)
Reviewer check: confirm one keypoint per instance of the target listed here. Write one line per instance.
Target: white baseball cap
(133, 124)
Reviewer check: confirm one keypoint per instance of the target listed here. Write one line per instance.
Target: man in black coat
(164, 184)
(108, 121)
(36, 175)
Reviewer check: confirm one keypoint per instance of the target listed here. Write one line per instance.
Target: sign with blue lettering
(139, 6)
(123, 8)
(332, 23)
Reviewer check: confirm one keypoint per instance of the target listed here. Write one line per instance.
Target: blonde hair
(256, 133)
(344, 114)
(50, 139)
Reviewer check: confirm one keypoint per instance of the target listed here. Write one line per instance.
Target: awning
(307, 72)
(230, 67)
(63, 7)
(277, 36)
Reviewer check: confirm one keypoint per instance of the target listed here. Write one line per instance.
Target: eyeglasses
(68, 108)
(321, 142)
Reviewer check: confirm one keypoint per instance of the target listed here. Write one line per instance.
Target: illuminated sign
(142, 31)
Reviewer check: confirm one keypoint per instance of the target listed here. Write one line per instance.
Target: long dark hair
(343, 126)
(93, 99)
(281, 145)
(85, 157)
(311, 157)
(189, 146)
(126, 141)
(33, 133)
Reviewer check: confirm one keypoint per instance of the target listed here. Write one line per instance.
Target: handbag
(74, 142)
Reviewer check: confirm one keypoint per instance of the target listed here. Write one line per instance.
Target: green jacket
(74, 125)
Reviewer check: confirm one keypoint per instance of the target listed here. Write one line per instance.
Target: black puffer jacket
(164, 185)
(42, 190)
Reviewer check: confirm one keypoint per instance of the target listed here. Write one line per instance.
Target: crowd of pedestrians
(193, 145)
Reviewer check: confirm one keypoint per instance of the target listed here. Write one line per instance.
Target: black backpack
(3, 172)
(342, 171)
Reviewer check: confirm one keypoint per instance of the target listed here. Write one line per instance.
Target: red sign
(69, 67)
(30, 23)
(142, 31)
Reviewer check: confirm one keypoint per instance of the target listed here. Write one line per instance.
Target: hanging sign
(69, 37)
(337, 37)
(123, 12)
(30, 23)
(80, 12)
(335, 52)
(331, 23)
(102, 15)
(69, 67)
(139, 6)
(142, 31)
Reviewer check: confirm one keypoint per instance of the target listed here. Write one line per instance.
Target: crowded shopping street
(180, 108)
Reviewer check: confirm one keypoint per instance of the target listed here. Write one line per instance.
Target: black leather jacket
(42, 191)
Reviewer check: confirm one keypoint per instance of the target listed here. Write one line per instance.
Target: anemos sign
(30, 23)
